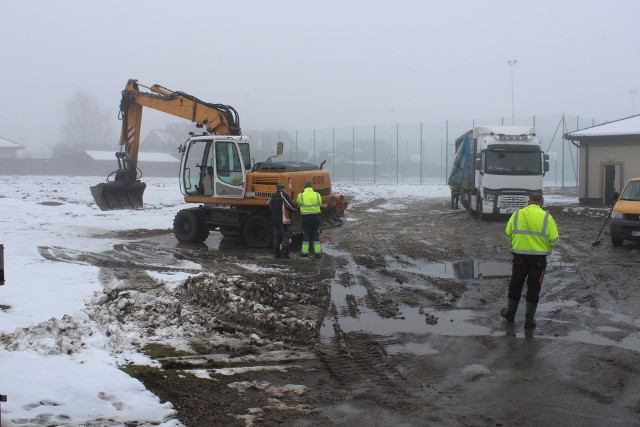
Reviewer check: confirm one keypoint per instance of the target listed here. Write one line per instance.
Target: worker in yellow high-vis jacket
(532, 233)
(310, 202)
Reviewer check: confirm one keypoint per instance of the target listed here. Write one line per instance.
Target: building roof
(629, 126)
(142, 157)
(6, 143)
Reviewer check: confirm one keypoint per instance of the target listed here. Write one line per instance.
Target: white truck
(496, 168)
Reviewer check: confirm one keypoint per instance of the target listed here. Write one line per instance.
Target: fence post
(397, 155)
(1, 264)
(353, 154)
(446, 154)
(3, 398)
(333, 151)
(374, 154)
(421, 155)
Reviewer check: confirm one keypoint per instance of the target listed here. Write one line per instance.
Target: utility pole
(511, 63)
(246, 111)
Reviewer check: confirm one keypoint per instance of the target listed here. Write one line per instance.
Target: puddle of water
(608, 329)
(451, 323)
(465, 270)
(630, 342)
(554, 305)
(347, 409)
(412, 347)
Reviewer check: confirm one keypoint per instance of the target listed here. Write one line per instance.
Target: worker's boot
(529, 321)
(509, 313)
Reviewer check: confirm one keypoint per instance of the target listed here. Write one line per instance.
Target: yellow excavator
(217, 172)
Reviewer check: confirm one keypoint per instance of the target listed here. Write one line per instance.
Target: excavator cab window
(222, 160)
(245, 152)
(228, 164)
(194, 169)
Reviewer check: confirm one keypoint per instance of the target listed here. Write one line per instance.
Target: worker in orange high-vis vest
(532, 233)
(309, 202)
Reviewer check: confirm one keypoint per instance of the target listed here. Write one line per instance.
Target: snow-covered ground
(51, 378)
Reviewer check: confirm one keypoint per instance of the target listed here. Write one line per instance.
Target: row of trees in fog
(86, 126)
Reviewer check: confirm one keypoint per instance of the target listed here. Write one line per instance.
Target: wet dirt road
(397, 324)
(457, 360)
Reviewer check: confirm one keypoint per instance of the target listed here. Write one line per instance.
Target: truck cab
(498, 168)
(509, 167)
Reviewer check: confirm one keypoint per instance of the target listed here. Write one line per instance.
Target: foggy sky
(287, 64)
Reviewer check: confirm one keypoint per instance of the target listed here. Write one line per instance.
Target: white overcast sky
(297, 64)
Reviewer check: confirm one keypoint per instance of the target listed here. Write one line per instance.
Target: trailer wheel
(189, 226)
(256, 232)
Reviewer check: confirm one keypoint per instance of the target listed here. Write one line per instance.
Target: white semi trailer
(496, 168)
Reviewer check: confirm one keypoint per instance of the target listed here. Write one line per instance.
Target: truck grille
(632, 217)
(513, 202)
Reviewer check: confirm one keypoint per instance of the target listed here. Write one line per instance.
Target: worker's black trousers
(529, 268)
(310, 230)
(281, 237)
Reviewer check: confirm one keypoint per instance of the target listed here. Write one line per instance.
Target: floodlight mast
(511, 63)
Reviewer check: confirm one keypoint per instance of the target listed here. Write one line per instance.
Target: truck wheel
(615, 241)
(256, 232)
(189, 226)
(480, 215)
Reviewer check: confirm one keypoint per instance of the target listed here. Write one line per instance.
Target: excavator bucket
(118, 195)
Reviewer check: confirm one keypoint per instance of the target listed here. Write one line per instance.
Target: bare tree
(87, 126)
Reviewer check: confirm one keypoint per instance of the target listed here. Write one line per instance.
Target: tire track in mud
(131, 257)
(122, 257)
(359, 359)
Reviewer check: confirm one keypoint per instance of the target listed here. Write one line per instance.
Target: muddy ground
(397, 324)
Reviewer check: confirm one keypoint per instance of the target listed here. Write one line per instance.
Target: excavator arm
(126, 190)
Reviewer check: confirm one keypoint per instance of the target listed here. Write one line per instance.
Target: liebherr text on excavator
(216, 171)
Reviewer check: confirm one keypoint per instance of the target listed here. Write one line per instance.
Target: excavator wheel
(189, 226)
(257, 232)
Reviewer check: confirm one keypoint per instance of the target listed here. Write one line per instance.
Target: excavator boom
(126, 190)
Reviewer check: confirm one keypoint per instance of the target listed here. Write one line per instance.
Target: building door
(611, 184)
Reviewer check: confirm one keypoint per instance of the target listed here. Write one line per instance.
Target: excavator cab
(214, 167)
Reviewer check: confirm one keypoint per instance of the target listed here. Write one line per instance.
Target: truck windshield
(631, 191)
(510, 162)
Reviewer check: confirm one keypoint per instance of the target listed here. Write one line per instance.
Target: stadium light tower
(511, 63)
